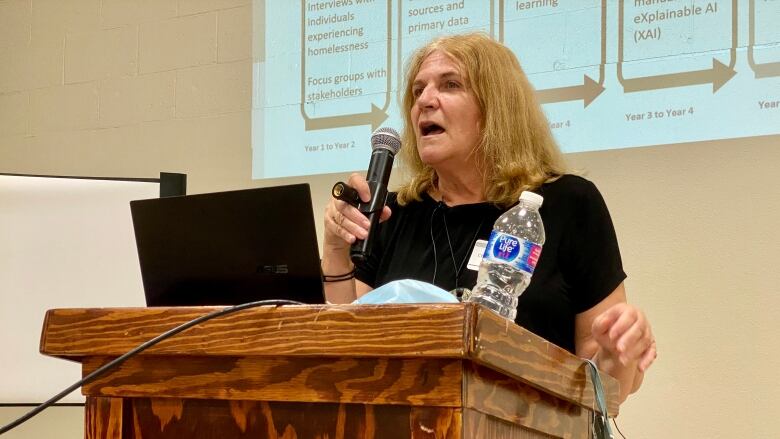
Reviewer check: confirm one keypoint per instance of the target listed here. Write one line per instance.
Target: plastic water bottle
(510, 257)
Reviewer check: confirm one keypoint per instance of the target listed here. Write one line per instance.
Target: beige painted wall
(61, 422)
(133, 87)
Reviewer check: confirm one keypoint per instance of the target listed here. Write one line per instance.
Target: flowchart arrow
(375, 117)
(764, 70)
(718, 75)
(588, 91)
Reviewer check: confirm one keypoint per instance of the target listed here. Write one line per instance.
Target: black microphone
(385, 143)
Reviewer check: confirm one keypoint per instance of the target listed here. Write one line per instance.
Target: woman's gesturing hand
(623, 331)
(344, 224)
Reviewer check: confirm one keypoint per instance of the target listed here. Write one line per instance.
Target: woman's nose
(428, 98)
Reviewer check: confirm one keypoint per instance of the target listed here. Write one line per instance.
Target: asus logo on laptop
(272, 269)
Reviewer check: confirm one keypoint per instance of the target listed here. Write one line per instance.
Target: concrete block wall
(126, 87)
(123, 88)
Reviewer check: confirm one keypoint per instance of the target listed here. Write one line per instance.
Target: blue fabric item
(406, 291)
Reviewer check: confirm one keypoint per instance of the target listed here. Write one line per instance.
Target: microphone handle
(377, 177)
(361, 248)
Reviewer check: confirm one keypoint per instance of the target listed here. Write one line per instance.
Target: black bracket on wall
(172, 184)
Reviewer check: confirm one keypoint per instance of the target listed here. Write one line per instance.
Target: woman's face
(445, 115)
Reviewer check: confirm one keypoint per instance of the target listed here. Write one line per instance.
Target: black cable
(614, 421)
(146, 345)
(459, 268)
(433, 243)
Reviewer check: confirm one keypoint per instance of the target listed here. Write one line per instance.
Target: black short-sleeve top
(579, 265)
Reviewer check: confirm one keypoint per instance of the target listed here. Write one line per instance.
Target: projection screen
(609, 73)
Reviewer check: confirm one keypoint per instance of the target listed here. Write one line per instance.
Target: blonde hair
(516, 151)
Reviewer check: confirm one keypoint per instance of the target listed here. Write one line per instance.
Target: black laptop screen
(227, 248)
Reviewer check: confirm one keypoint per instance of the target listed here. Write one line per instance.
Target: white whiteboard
(64, 243)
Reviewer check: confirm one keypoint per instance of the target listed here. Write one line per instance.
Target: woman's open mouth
(430, 129)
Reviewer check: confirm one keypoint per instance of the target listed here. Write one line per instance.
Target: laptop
(228, 248)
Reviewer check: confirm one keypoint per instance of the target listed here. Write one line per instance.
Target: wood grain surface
(514, 402)
(481, 426)
(169, 418)
(498, 344)
(103, 418)
(409, 381)
(166, 418)
(442, 331)
(314, 330)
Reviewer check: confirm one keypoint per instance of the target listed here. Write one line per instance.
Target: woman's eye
(452, 84)
(416, 92)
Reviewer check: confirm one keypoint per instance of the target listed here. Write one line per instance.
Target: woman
(474, 138)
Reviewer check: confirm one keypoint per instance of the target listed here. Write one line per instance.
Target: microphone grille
(386, 137)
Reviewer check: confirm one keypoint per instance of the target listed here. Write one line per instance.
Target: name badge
(476, 254)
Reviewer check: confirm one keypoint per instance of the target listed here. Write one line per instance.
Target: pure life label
(508, 249)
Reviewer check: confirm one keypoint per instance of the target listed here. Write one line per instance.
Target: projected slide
(609, 73)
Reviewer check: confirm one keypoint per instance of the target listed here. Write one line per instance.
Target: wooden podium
(391, 371)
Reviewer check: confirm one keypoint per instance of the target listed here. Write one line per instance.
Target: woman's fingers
(624, 331)
(359, 183)
(603, 323)
(633, 343)
(352, 222)
(626, 319)
(334, 223)
(345, 221)
(649, 356)
(386, 212)
(338, 221)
